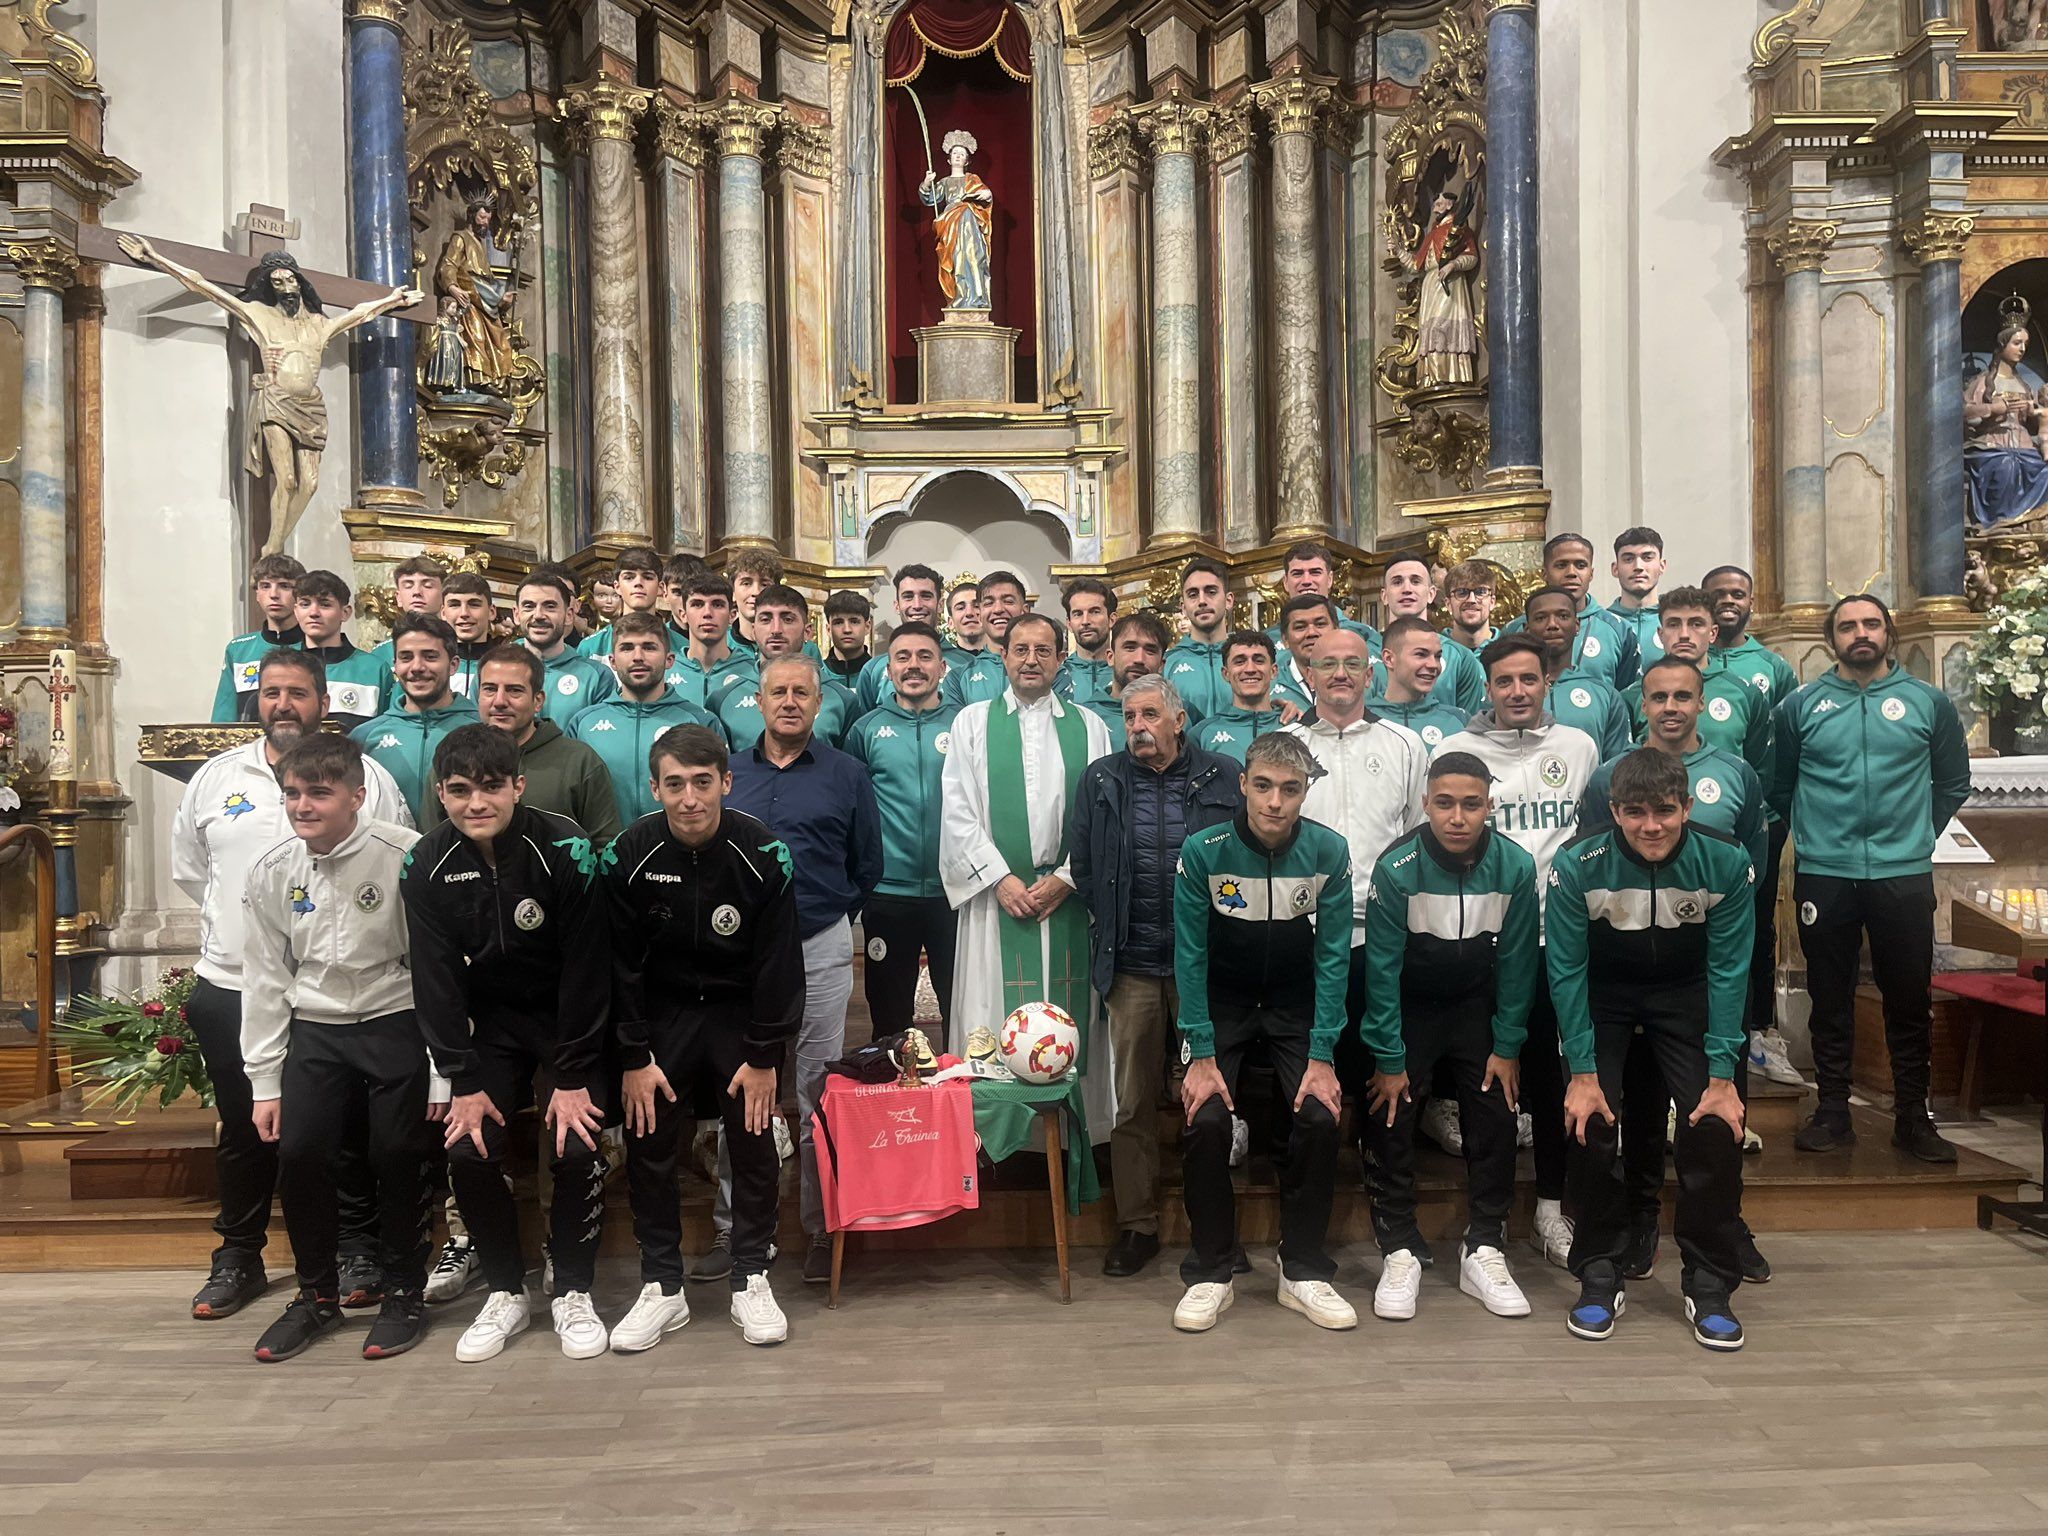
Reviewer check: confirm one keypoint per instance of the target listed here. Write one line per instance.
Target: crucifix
(278, 306)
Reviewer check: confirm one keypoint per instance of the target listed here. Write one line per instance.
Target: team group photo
(1176, 827)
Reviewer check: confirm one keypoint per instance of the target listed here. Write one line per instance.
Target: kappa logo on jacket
(386, 741)
(602, 725)
(1824, 706)
(886, 733)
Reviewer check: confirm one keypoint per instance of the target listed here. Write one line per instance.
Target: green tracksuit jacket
(1734, 716)
(1580, 697)
(1429, 719)
(980, 677)
(1727, 797)
(575, 683)
(905, 754)
(621, 730)
(403, 740)
(1195, 668)
(240, 666)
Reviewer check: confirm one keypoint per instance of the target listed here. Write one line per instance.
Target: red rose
(152, 1010)
(169, 1045)
(183, 1017)
(110, 1028)
(178, 973)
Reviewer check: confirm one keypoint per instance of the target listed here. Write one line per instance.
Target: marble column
(1174, 125)
(1800, 247)
(1239, 443)
(676, 176)
(46, 270)
(1515, 335)
(387, 424)
(1934, 510)
(748, 452)
(1292, 105)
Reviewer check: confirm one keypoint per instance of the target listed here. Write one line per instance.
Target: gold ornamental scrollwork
(1802, 245)
(1776, 35)
(739, 125)
(1294, 103)
(1440, 441)
(803, 149)
(67, 55)
(674, 133)
(600, 108)
(1113, 146)
(473, 446)
(391, 12)
(43, 264)
(1173, 125)
(1937, 237)
(1231, 129)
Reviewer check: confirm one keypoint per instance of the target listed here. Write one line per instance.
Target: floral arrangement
(128, 1049)
(12, 768)
(2010, 655)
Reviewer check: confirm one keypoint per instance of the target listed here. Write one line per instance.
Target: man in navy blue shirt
(820, 802)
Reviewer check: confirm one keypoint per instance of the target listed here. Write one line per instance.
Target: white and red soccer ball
(1039, 1043)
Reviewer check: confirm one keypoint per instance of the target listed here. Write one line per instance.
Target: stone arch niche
(975, 520)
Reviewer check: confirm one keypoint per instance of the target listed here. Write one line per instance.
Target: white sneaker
(1752, 1144)
(455, 1271)
(1484, 1273)
(755, 1314)
(1202, 1305)
(1400, 1283)
(653, 1315)
(1318, 1301)
(1441, 1124)
(1240, 1142)
(1769, 1054)
(1553, 1235)
(505, 1313)
(785, 1148)
(578, 1326)
(547, 1274)
(1525, 1129)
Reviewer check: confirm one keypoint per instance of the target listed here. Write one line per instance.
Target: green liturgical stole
(1024, 978)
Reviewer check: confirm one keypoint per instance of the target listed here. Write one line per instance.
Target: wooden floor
(1894, 1383)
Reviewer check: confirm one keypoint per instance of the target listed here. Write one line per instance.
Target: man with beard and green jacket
(574, 682)
(403, 738)
(779, 617)
(562, 775)
(1195, 665)
(623, 730)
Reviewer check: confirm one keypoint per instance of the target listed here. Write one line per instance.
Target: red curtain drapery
(956, 29)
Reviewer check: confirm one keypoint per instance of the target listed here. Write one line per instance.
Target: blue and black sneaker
(1601, 1301)
(1713, 1321)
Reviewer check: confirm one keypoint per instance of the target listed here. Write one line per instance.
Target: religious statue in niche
(1446, 261)
(2002, 416)
(964, 222)
(2019, 26)
(279, 310)
(468, 273)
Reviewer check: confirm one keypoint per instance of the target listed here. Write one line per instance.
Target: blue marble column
(1934, 511)
(1800, 247)
(387, 429)
(748, 451)
(1515, 341)
(1172, 126)
(46, 269)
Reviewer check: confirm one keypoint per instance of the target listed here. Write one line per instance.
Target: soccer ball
(1039, 1043)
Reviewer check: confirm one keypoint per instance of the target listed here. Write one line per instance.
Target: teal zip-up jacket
(1082, 678)
(598, 643)
(980, 677)
(905, 754)
(235, 696)
(1868, 777)
(621, 730)
(1428, 719)
(1733, 716)
(1439, 928)
(1263, 928)
(1727, 797)
(1617, 921)
(739, 711)
(1581, 698)
(1643, 623)
(575, 683)
(1195, 668)
(1606, 647)
(1761, 668)
(1372, 636)
(1230, 731)
(689, 679)
(1111, 713)
(403, 741)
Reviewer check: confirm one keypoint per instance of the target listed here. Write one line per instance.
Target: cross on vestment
(1016, 986)
(287, 424)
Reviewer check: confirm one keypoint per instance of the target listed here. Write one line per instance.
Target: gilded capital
(43, 264)
(740, 125)
(600, 108)
(1231, 129)
(804, 149)
(389, 11)
(1937, 236)
(1509, 5)
(1173, 125)
(1801, 245)
(1113, 145)
(674, 133)
(1294, 103)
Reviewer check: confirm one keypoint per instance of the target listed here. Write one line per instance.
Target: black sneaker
(305, 1319)
(401, 1324)
(1916, 1136)
(1829, 1130)
(717, 1261)
(1639, 1260)
(1756, 1269)
(362, 1282)
(1713, 1320)
(233, 1284)
(1130, 1253)
(818, 1262)
(1600, 1302)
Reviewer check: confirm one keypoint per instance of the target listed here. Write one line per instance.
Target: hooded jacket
(1539, 781)
(574, 683)
(567, 778)
(621, 731)
(904, 752)
(1370, 791)
(403, 740)
(1195, 668)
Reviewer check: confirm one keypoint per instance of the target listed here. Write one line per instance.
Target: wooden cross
(263, 228)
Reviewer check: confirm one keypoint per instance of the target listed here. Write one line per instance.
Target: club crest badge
(1591, 647)
(725, 920)
(1893, 709)
(1432, 736)
(943, 742)
(1809, 914)
(878, 949)
(568, 685)
(369, 898)
(1552, 770)
(1687, 909)
(528, 916)
(1707, 792)
(1720, 709)
(1230, 895)
(1581, 699)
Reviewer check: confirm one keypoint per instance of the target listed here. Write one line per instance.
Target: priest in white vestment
(1008, 785)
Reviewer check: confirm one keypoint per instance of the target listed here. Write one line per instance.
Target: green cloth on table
(1006, 1120)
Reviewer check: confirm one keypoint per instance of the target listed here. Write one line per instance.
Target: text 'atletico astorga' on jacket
(709, 931)
(520, 935)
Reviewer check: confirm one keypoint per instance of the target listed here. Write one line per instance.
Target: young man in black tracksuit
(707, 983)
(512, 982)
